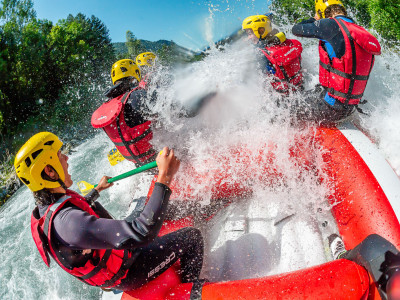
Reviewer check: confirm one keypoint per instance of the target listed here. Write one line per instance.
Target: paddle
(114, 156)
(86, 187)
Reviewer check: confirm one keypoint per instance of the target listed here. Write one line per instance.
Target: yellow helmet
(255, 22)
(124, 68)
(146, 59)
(38, 152)
(322, 5)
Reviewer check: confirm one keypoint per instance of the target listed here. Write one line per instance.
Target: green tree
(40, 64)
(14, 17)
(18, 11)
(385, 18)
(134, 45)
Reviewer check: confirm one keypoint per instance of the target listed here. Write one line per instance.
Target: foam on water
(238, 116)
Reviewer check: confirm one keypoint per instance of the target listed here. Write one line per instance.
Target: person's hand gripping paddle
(86, 187)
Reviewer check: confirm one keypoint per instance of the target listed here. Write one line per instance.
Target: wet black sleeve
(91, 197)
(79, 230)
(324, 29)
(149, 222)
(321, 29)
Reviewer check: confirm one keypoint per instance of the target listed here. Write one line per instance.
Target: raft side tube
(340, 279)
(359, 204)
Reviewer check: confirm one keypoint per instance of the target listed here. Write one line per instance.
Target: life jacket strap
(123, 269)
(147, 153)
(348, 96)
(135, 140)
(50, 212)
(342, 74)
(287, 78)
(102, 264)
(125, 143)
(354, 62)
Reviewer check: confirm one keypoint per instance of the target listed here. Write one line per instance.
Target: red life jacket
(286, 59)
(112, 265)
(133, 143)
(346, 78)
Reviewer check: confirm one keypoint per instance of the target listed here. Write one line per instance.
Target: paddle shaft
(132, 172)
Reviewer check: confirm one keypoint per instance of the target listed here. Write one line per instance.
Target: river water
(241, 113)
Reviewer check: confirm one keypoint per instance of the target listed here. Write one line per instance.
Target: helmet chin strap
(62, 184)
(47, 177)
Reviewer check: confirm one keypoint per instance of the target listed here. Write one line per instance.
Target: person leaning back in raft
(125, 116)
(346, 58)
(84, 240)
(282, 57)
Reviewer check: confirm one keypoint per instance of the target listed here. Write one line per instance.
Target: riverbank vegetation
(381, 15)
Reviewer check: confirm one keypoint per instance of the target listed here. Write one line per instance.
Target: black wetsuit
(75, 230)
(318, 105)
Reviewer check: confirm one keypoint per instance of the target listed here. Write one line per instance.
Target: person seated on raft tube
(84, 240)
(125, 116)
(147, 63)
(282, 56)
(346, 58)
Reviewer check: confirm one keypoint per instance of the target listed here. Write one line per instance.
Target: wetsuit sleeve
(149, 222)
(79, 230)
(326, 30)
(101, 211)
(92, 196)
(323, 29)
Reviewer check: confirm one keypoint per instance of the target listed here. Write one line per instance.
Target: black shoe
(337, 246)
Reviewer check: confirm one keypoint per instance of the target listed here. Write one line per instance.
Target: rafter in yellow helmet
(146, 59)
(322, 5)
(38, 152)
(255, 22)
(125, 68)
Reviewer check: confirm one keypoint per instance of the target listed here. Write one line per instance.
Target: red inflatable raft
(366, 198)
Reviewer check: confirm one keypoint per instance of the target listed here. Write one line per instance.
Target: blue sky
(189, 23)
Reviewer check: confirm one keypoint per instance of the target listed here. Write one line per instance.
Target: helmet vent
(28, 161)
(26, 181)
(123, 69)
(36, 153)
(49, 143)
